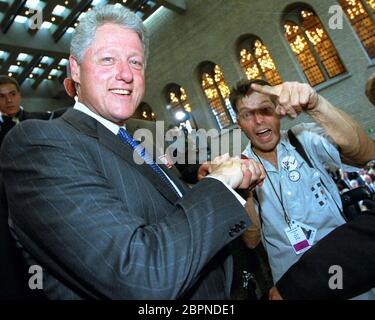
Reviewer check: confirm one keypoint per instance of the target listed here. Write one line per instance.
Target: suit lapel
(93, 128)
(174, 177)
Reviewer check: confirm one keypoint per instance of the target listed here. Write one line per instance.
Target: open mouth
(264, 133)
(122, 92)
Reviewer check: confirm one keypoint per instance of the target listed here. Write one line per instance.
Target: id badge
(297, 238)
(309, 231)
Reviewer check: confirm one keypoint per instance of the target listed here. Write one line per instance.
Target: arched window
(144, 112)
(217, 92)
(256, 61)
(359, 14)
(178, 104)
(310, 43)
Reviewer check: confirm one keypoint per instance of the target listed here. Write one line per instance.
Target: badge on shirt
(289, 163)
(301, 236)
(294, 175)
(164, 159)
(319, 193)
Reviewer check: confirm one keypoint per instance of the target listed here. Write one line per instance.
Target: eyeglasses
(247, 115)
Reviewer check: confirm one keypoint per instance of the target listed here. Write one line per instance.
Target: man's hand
(274, 294)
(206, 167)
(235, 172)
(292, 97)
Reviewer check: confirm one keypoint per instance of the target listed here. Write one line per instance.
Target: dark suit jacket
(22, 115)
(351, 246)
(103, 227)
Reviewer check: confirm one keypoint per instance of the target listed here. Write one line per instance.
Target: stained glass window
(177, 101)
(217, 92)
(361, 21)
(257, 62)
(314, 50)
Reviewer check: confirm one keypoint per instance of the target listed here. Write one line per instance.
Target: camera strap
(299, 148)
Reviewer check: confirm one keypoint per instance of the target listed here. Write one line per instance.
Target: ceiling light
(32, 4)
(31, 75)
(55, 72)
(81, 16)
(13, 68)
(37, 70)
(58, 10)
(96, 2)
(20, 19)
(22, 56)
(46, 25)
(46, 59)
(63, 62)
(10, 74)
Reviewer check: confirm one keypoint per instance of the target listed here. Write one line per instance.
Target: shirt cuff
(239, 198)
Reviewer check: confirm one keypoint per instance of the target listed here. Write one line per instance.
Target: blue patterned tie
(128, 139)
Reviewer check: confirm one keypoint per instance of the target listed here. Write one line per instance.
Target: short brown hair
(9, 80)
(243, 89)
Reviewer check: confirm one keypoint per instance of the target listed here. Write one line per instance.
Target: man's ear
(74, 69)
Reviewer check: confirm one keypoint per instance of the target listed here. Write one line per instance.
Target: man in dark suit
(12, 273)
(11, 111)
(99, 224)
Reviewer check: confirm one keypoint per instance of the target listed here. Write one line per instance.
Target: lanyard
(280, 198)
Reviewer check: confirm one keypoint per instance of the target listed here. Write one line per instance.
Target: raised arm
(293, 97)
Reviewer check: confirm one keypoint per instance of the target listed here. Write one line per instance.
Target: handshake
(233, 171)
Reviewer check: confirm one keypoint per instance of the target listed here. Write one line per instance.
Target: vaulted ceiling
(35, 34)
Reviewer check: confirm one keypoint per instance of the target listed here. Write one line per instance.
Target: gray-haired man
(100, 225)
